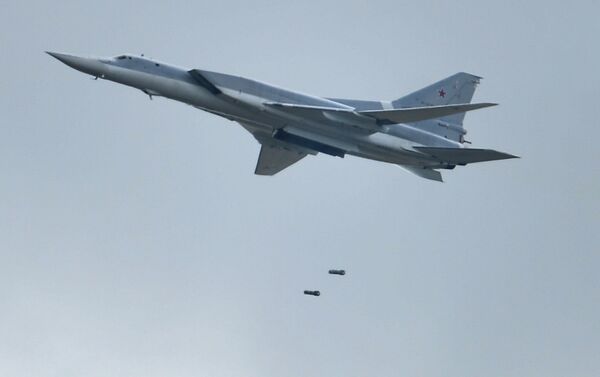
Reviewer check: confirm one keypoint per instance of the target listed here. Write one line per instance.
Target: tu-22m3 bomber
(421, 132)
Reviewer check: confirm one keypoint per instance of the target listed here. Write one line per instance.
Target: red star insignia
(442, 93)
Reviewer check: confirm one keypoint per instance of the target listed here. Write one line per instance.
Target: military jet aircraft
(421, 132)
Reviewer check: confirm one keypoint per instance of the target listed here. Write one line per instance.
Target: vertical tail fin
(458, 88)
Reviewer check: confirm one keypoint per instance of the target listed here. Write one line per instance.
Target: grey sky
(136, 241)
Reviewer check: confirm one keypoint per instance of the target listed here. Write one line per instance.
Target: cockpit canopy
(136, 59)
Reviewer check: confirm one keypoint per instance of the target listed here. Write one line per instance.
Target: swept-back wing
(204, 82)
(371, 120)
(342, 116)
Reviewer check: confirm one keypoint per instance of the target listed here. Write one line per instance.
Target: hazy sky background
(135, 239)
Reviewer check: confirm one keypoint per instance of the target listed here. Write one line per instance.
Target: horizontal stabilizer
(462, 156)
(426, 173)
(416, 114)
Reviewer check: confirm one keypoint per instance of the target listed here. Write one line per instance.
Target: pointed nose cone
(61, 57)
(87, 65)
(72, 61)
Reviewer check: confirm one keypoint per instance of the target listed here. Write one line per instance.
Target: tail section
(463, 156)
(427, 173)
(450, 157)
(456, 89)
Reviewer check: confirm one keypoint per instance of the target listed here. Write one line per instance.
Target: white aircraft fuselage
(293, 124)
